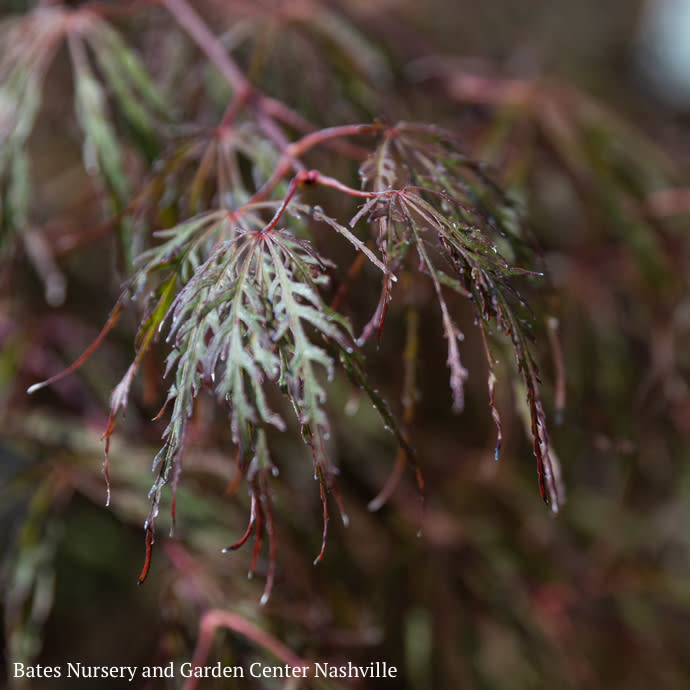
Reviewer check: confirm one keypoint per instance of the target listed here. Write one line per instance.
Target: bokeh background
(581, 109)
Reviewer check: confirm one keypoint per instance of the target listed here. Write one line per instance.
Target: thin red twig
(149, 549)
(301, 146)
(270, 530)
(195, 26)
(252, 519)
(112, 320)
(311, 177)
(215, 618)
(326, 518)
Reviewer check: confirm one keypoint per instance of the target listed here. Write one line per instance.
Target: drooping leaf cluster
(226, 223)
(105, 72)
(438, 209)
(247, 323)
(240, 299)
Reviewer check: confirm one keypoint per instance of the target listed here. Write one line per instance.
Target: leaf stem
(301, 146)
(312, 177)
(112, 320)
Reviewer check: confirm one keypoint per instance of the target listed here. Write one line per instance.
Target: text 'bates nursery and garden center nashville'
(375, 669)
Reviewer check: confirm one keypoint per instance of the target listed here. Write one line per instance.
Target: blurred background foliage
(496, 593)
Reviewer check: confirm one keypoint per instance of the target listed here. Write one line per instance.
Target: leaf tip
(375, 504)
(36, 387)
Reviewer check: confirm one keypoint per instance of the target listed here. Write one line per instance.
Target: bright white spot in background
(664, 49)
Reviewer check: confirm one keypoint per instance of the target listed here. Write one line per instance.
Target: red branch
(309, 177)
(195, 26)
(112, 320)
(214, 619)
